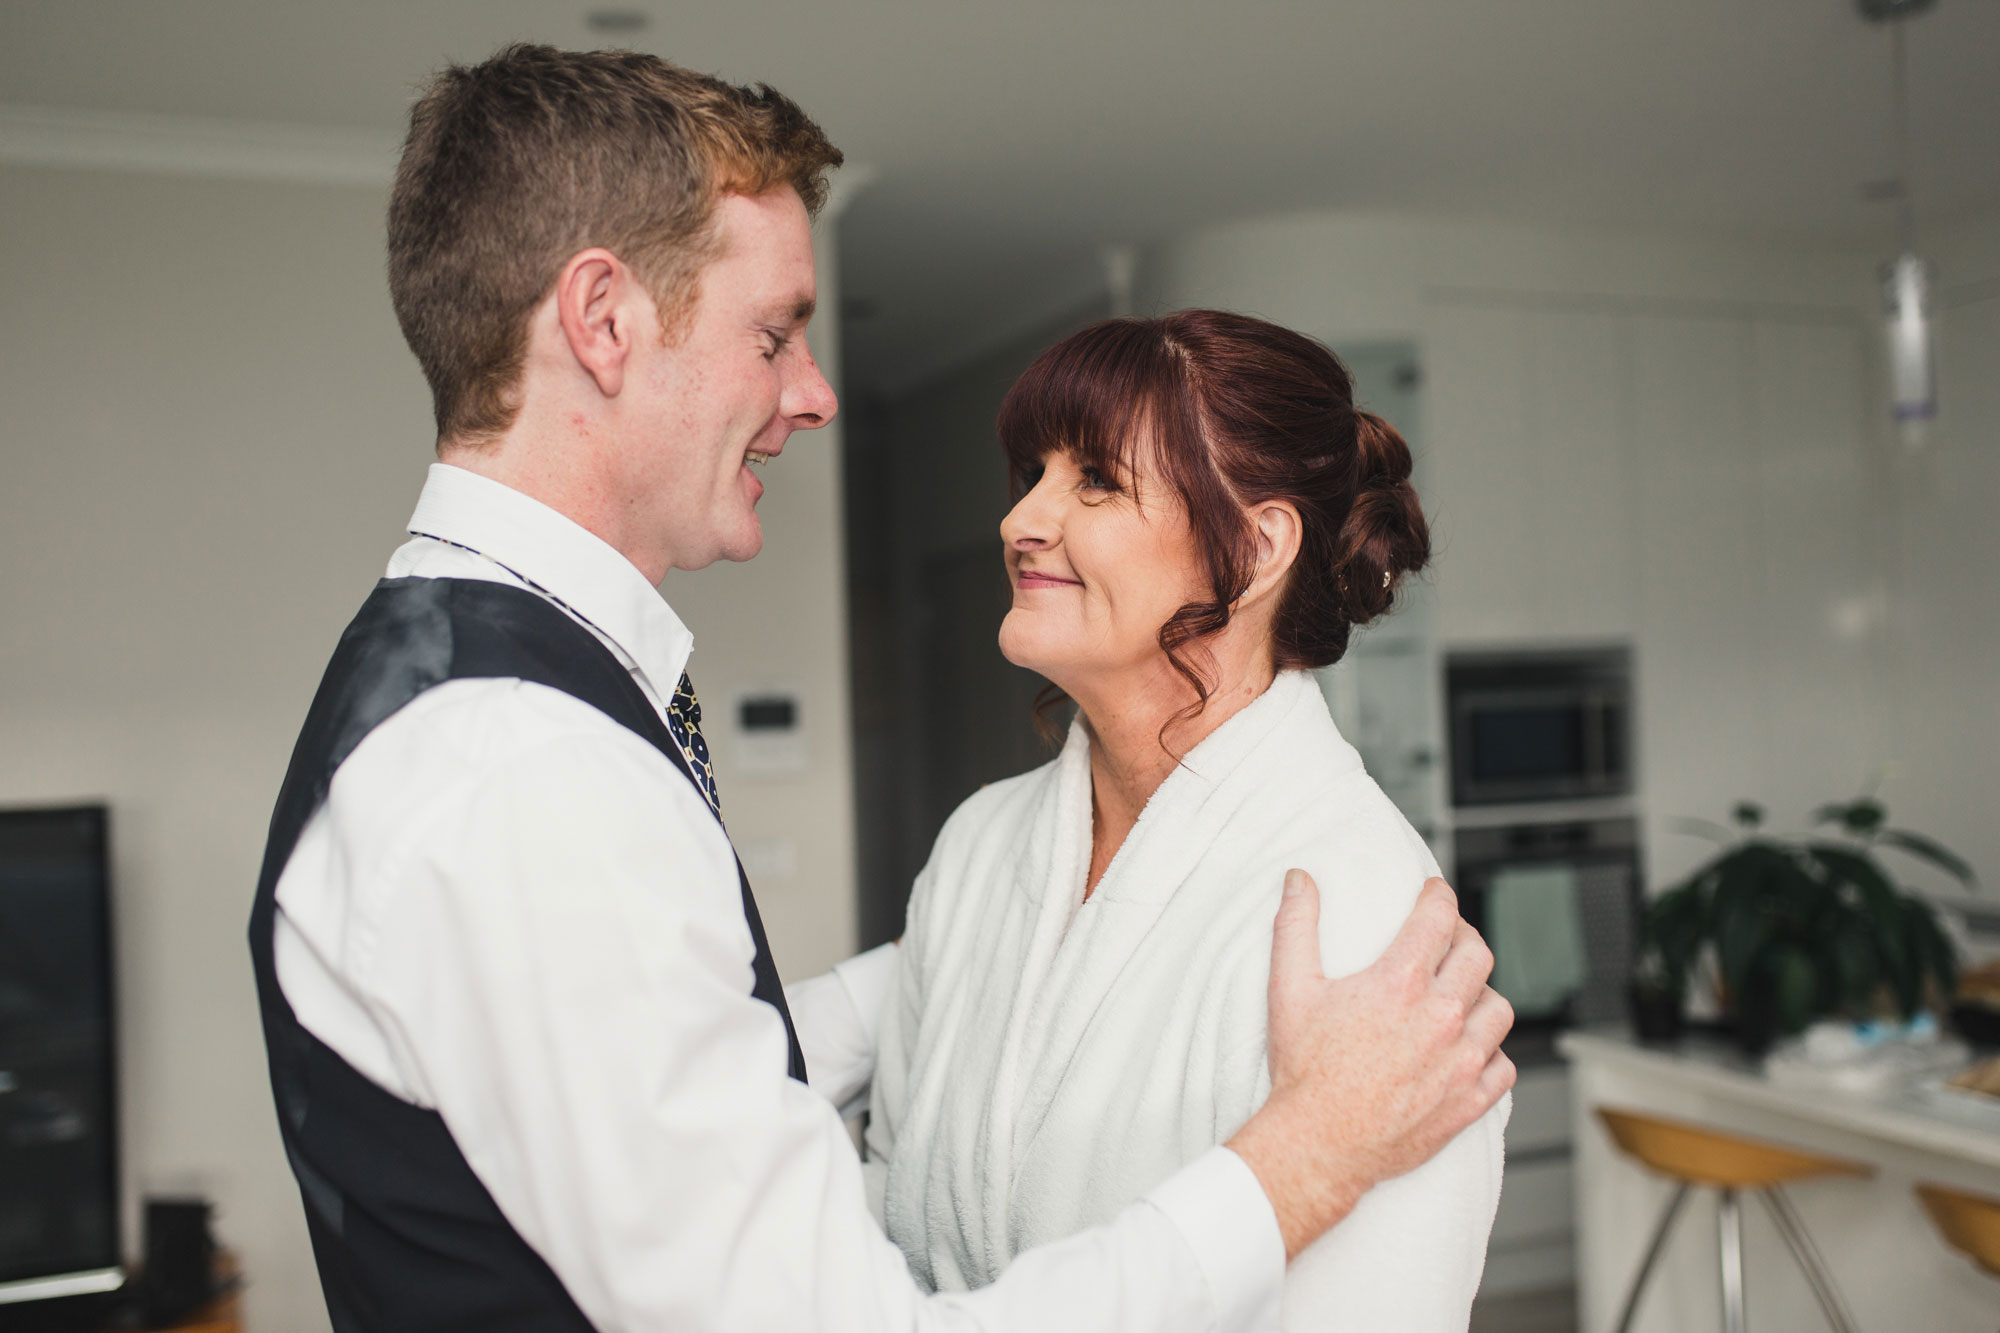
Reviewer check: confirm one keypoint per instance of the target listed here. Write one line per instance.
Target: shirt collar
(561, 557)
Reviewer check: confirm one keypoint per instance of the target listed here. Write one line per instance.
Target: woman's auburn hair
(1234, 411)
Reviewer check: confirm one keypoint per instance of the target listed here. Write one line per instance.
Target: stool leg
(1794, 1231)
(1652, 1257)
(1730, 1233)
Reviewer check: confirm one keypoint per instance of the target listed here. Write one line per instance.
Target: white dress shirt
(516, 912)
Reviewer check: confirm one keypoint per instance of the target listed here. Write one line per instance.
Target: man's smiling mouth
(756, 459)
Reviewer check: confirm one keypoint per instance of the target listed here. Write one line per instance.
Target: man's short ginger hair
(514, 165)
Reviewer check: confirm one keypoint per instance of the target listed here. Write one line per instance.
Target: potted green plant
(1797, 930)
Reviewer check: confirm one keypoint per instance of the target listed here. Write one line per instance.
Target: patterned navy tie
(684, 720)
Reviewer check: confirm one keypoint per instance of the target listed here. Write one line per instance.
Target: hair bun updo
(1384, 535)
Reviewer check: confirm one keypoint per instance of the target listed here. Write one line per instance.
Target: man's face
(711, 408)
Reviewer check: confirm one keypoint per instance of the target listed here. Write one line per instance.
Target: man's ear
(595, 306)
(1275, 526)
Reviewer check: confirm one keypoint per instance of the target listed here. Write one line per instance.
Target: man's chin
(734, 547)
(746, 544)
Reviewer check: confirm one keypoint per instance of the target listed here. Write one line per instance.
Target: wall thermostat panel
(768, 733)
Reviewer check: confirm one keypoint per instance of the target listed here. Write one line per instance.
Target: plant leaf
(1754, 886)
(1878, 918)
(1937, 958)
(1858, 969)
(1849, 866)
(1864, 817)
(1794, 988)
(1674, 926)
(1927, 849)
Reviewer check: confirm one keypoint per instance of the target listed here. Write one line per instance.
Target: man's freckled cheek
(695, 386)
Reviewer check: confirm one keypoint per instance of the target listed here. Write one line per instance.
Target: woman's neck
(1128, 719)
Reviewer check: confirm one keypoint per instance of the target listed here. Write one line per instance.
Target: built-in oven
(1558, 901)
(1539, 726)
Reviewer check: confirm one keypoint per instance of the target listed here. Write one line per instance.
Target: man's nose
(809, 400)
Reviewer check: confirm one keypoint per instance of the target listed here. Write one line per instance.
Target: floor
(1549, 1311)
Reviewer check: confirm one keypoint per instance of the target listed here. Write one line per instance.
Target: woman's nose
(1031, 523)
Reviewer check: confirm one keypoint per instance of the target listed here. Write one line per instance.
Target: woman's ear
(1275, 526)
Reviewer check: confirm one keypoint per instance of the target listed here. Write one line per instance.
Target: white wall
(1669, 441)
(212, 436)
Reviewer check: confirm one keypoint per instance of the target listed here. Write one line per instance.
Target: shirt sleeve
(838, 1016)
(561, 951)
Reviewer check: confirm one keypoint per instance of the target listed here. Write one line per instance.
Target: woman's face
(1096, 573)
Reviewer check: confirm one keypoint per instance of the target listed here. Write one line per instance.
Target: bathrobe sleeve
(838, 1016)
(1411, 1255)
(898, 1019)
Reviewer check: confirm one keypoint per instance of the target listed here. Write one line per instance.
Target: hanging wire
(1900, 77)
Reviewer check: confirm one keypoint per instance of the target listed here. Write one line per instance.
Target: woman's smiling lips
(1030, 578)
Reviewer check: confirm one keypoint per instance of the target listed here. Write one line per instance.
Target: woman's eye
(1094, 480)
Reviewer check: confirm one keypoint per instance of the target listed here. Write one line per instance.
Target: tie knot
(685, 702)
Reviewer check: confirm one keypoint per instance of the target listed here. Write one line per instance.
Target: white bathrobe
(1047, 1060)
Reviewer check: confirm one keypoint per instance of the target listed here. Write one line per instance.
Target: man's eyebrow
(797, 313)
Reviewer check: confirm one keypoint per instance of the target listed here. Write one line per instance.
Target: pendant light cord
(1906, 228)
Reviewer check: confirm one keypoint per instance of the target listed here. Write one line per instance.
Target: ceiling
(1009, 141)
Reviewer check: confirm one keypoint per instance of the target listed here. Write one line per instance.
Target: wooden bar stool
(1729, 1165)
(1970, 1223)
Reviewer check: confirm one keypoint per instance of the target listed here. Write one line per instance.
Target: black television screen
(58, 1104)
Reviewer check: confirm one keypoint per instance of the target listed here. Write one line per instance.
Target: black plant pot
(1656, 1012)
(1755, 1028)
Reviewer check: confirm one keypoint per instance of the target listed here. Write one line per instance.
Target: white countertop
(1965, 1129)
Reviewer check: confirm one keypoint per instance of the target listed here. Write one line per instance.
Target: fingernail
(1295, 882)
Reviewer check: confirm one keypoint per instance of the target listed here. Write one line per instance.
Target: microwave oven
(1539, 726)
